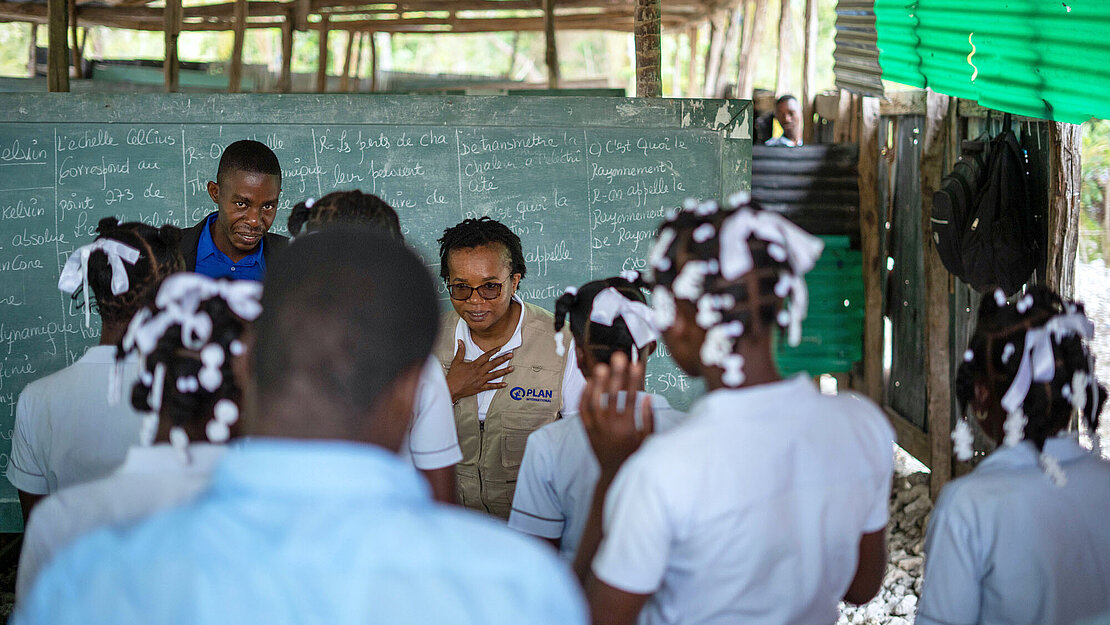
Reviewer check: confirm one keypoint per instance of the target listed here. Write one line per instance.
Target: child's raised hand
(613, 434)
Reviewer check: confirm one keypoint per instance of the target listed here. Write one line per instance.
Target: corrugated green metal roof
(1040, 58)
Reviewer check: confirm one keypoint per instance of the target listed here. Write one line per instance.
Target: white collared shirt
(573, 382)
(557, 477)
(66, 431)
(782, 141)
(150, 479)
(751, 509)
(1006, 545)
(432, 441)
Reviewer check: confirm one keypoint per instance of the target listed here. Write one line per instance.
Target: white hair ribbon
(610, 303)
(188, 290)
(1038, 362)
(801, 249)
(76, 271)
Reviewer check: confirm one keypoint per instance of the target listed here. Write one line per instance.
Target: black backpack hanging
(994, 244)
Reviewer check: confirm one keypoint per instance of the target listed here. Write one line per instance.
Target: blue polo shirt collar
(215, 264)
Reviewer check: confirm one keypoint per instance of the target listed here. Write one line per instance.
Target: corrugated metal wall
(856, 59)
(815, 186)
(1048, 59)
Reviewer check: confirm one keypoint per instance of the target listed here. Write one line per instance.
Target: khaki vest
(492, 451)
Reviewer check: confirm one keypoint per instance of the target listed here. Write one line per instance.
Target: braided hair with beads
(741, 266)
(1032, 357)
(601, 341)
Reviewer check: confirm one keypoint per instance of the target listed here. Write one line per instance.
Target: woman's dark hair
(996, 350)
(601, 341)
(476, 233)
(192, 407)
(159, 256)
(754, 302)
(346, 207)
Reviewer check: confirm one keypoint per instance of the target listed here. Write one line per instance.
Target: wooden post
(716, 45)
(551, 52)
(322, 56)
(57, 55)
(732, 38)
(938, 383)
(710, 36)
(676, 67)
(782, 85)
(301, 8)
(235, 73)
(692, 63)
(33, 51)
(744, 84)
(357, 86)
(647, 28)
(1063, 209)
(171, 28)
(285, 82)
(75, 51)
(809, 71)
(345, 78)
(870, 235)
(374, 61)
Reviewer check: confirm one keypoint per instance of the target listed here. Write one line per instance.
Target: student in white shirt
(768, 503)
(432, 445)
(189, 390)
(66, 432)
(1025, 537)
(558, 474)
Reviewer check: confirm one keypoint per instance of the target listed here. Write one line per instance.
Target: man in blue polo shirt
(235, 242)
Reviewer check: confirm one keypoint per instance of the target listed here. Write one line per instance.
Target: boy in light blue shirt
(314, 519)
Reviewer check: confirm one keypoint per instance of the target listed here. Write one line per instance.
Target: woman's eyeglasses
(462, 292)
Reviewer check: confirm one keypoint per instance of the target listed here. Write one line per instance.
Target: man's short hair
(347, 310)
(249, 156)
(785, 99)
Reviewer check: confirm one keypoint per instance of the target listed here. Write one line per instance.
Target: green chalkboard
(583, 181)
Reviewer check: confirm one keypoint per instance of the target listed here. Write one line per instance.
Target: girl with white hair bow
(559, 471)
(768, 503)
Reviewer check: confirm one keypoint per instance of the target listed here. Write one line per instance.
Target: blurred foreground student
(66, 431)
(1024, 538)
(190, 391)
(768, 503)
(432, 444)
(314, 518)
(559, 471)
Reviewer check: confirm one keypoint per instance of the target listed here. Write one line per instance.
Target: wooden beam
(358, 62)
(716, 45)
(910, 438)
(374, 62)
(938, 383)
(785, 54)
(235, 73)
(171, 29)
(285, 81)
(1065, 141)
(57, 56)
(692, 62)
(345, 77)
(33, 51)
(729, 49)
(649, 55)
(551, 52)
(809, 72)
(710, 35)
(301, 9)
(322, 56)
(75, 48)
(870, 236)
(748, 50)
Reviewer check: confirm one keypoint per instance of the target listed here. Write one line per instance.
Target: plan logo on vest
(531, 394)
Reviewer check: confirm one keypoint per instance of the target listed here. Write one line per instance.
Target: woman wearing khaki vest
(506, 376)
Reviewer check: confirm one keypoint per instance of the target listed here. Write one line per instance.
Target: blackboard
(583, 181)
